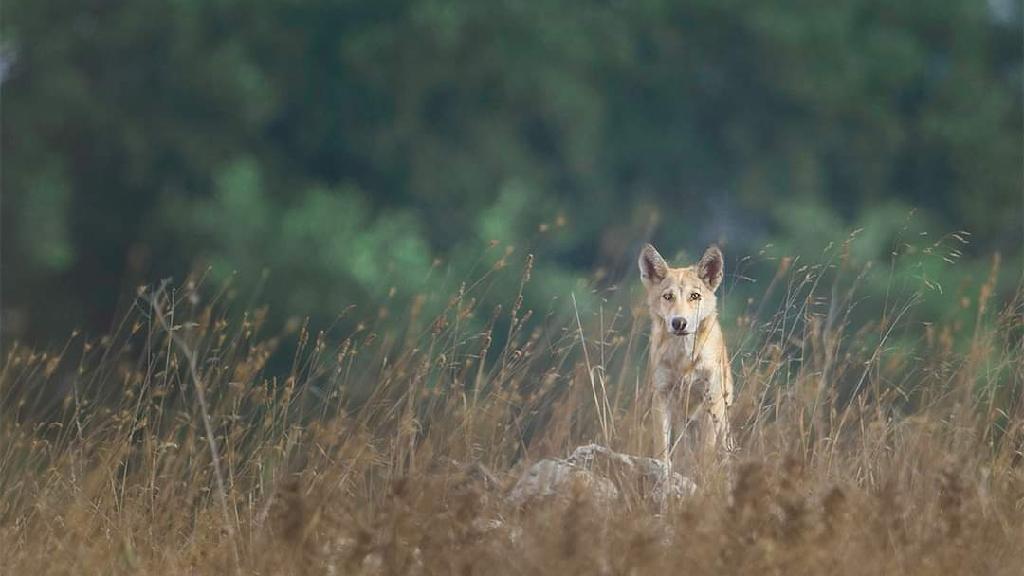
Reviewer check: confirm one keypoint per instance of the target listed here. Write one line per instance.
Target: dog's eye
(669, 296)
(694, 295)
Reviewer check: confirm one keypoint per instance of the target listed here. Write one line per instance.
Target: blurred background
(324, 154)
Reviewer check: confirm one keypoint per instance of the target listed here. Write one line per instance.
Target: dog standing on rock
(689, 364)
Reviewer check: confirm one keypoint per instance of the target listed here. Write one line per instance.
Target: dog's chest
(677, 372)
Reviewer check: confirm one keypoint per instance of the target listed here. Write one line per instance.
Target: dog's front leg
(663, 435)
(719, 434)
(724, 396)
(717, 402)
(720, 420)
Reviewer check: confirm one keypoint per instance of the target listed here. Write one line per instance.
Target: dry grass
(390, 451)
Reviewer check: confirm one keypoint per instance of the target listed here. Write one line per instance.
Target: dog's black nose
(679, 324)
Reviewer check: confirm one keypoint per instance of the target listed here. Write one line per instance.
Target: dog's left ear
(711, 267)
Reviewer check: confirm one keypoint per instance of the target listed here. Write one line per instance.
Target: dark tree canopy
(336, 142)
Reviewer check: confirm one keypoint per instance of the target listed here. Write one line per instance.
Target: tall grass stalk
(191, 440)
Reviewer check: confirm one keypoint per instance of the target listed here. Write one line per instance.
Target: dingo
(689, 364)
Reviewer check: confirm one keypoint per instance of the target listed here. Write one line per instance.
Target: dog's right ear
(653, 267)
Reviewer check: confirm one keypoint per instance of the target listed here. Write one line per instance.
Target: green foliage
(45, 218)
(348, 146)
(326, 243)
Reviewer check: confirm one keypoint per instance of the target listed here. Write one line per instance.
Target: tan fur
(692, 382)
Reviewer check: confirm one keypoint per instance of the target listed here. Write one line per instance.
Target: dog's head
(681, 297)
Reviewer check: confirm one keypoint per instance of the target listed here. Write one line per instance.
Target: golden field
(191, 441)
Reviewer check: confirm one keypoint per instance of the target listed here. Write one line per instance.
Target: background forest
(365, 152)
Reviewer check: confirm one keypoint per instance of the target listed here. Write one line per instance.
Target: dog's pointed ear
(711, 267)
(653, 267)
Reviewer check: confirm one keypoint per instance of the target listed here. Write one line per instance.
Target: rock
(607, 474)
(555, 477)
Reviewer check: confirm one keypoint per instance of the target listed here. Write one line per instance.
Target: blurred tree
(316, 138)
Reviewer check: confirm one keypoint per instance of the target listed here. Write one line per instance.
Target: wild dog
(688, 364)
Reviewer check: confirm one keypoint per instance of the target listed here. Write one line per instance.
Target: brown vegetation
(391, 450)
